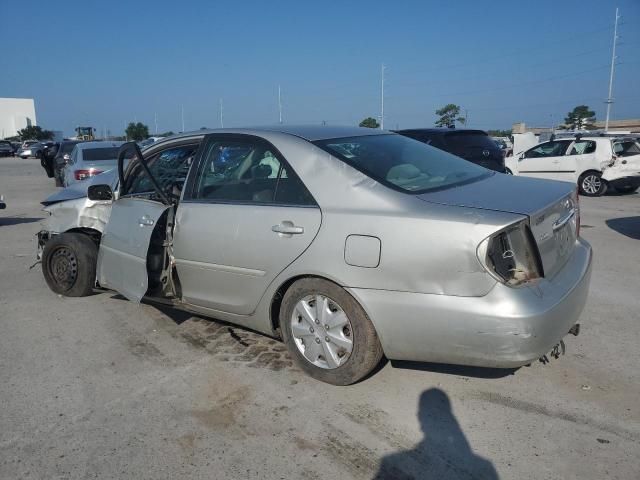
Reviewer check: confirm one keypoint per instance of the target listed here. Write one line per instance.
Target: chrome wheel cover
(322, 331)
(591, 184)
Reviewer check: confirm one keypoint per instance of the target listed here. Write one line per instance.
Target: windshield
(403, 163)
(100, 154)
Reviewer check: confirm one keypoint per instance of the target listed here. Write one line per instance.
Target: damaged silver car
(347, 243)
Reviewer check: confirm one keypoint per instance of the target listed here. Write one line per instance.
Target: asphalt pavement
(99, 387)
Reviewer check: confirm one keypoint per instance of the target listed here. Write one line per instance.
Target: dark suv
(475, 146)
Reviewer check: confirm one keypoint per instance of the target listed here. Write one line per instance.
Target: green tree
(137, 131)
(369, 122)
(580, 118)
(33, 132)
(449, 115)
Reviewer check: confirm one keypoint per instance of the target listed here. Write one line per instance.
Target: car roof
(440, 131)
(311, 133)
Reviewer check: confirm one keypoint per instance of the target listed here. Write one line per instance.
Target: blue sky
(107, 63)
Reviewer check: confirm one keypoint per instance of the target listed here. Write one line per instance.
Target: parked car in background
(16, 146)
(62, 157)
(6, 149)
(30, 148)
(475, 146)
(593, 163)
(349, 243)
(89, 159)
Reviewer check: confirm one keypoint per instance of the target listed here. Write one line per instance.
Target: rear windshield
(403, 163)
(469, 139)
(100, 154)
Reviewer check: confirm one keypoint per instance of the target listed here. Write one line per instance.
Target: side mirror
(521, 156)
(99, 192)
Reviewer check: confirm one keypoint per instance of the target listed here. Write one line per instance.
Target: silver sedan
(347, 243)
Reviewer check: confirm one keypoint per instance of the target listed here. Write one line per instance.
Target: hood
(503, 193)
(79, 189)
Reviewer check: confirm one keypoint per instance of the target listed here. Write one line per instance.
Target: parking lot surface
(100, 387)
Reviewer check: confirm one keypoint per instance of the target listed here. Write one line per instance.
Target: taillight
(511, 255)
(82, 174)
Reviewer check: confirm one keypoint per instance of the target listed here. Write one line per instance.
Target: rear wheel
(69, 264)
(591, 184)
(328, 333)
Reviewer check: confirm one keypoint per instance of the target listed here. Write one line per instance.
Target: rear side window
(626, 148)
(248, 171)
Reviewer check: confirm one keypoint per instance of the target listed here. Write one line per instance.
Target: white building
(15, 114)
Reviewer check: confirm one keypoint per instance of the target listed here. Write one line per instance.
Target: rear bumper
(508, 327)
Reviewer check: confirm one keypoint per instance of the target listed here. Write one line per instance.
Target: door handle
(145, 221)
(287, 228)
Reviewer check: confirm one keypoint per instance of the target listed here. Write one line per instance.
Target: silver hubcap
(591, 184)
(321, 331)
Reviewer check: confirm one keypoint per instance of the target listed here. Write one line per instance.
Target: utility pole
(155, 118)
(382, 97)
(613, 63)
(221, 117)
(182, 115)
(279, 105)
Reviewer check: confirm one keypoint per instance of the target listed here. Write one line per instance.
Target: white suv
(593, 163)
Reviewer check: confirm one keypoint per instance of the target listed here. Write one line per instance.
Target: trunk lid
(550, 205)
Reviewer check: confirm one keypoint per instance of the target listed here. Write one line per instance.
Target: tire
(345, 369)
(508, 171)
(69, 264)
(591, 184)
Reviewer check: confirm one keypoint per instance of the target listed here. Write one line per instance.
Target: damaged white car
(594, 163)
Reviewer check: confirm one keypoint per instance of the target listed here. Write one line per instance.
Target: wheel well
(276, 301)
(95, 235)
(589, 171)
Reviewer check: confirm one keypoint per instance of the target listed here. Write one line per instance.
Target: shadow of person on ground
(628, 226)
(443, 454)
(459, 370)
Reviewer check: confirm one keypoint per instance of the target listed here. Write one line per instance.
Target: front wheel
(69, 264)
(328, 333)
(591, 184)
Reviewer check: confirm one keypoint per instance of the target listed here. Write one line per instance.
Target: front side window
(583, 147)
(169, 168)
(548, 149)
(248, 171)
(403, 163)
